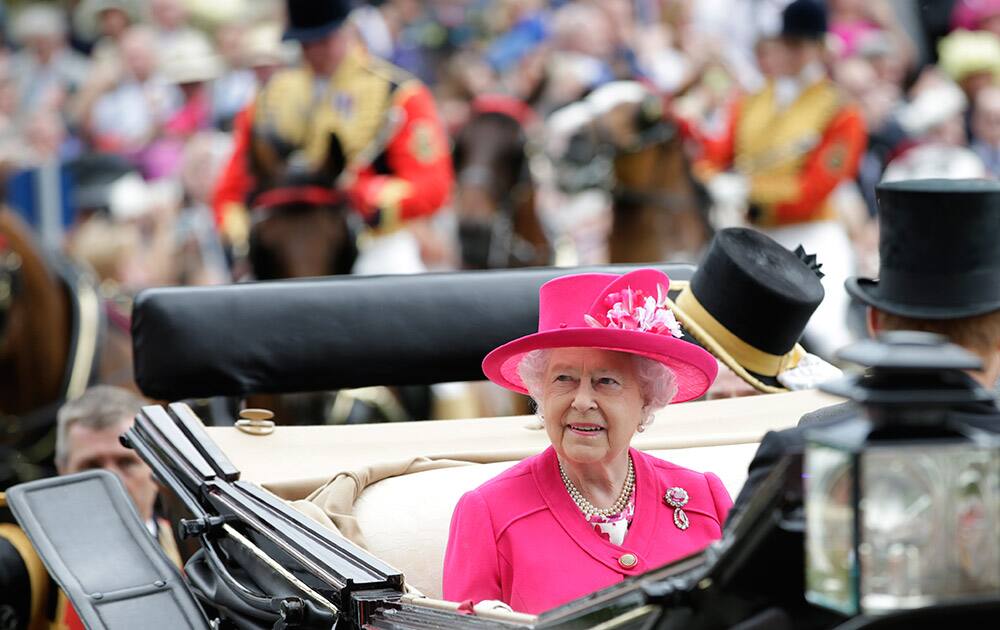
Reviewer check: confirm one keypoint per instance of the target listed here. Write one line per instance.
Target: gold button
(628, 560)
(256, 422)
(257, 414)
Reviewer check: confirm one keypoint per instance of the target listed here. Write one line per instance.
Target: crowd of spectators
(116, 115)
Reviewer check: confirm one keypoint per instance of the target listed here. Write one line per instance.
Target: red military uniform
(398, 160)
(795, 156)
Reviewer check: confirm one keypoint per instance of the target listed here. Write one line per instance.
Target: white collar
(787, 89)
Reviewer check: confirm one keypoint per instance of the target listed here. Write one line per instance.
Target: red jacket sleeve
(421, 174)
(717, 152)
(235, 181)
(835, 159)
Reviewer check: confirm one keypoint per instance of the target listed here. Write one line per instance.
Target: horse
(52, 329)
(495, 196)
(622, 141)
(301, 226)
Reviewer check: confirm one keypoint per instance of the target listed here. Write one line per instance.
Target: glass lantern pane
(830, 560)
(930, 526)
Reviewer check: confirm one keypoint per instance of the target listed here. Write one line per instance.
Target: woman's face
(591, 403)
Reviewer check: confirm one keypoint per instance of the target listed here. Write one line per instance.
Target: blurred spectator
(971, 59)
(878, 101)
(886, 57)
(936, 114)
(935, 120)
(9, 101)
(133, 245)
(852, 20)
(378, 29)
(263, 51)
(977, 15)
(189, 62)
(670, 51)
(200, 256)
(406, 33)
(236, 85)
(168, 19)
(748, 29)
(105, 22)
(986, 128)
(125, 113)
(39, 190)
(45, 68)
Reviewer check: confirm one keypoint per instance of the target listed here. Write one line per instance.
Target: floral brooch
(677, 498)
(631, 309)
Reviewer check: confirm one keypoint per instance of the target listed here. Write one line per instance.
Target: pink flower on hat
(633, 310)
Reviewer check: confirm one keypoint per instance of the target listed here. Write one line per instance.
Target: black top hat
(749, 302)
(804, 19)
(939, 248)
(309, 20)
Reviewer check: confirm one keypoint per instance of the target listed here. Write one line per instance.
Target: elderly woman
(590, 510)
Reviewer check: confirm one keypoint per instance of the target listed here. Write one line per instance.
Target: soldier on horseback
(393, 164)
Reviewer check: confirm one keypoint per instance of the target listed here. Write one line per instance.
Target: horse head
(301, 225)
(494, 199)
(36, 328)
(621, 140)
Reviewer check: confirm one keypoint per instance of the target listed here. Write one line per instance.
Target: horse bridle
(656, 135)
(504, 244)
(10, 281)
(268, 202)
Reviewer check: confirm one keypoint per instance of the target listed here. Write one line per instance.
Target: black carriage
(279, 545)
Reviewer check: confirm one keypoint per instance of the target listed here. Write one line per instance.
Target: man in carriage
(376, 123)
(86, 439)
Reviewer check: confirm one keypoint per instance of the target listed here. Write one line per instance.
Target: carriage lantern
(903, 500)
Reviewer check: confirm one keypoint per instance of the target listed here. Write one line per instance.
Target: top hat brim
(698, 335)
(311, 33)
(868, 291)
(693, 367)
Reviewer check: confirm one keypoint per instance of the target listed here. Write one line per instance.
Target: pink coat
(519, 537)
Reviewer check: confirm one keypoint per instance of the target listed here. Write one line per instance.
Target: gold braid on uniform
(19, 560)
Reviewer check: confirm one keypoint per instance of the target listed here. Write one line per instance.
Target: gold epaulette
(387, 71)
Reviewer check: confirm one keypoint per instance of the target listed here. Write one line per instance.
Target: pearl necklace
(588, 508)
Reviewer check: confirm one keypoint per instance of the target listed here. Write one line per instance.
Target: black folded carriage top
(336, 332)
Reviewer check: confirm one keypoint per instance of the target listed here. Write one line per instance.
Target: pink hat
(626, 313)
(970, 14)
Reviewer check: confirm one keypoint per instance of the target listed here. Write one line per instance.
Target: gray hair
(657, 383)
(99, 407)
